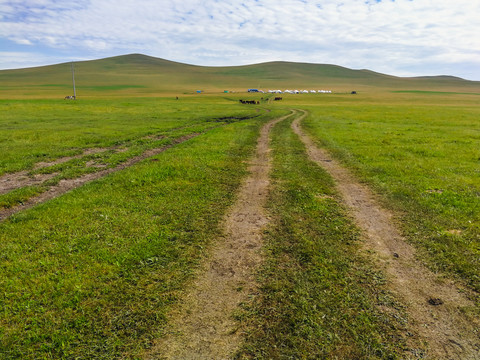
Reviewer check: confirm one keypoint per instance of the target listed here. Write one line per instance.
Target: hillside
(143, 75)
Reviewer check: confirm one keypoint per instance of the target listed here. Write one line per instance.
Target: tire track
(66, 185)
(14, 181)
(202, 327)
(435, 306)
(17, 180)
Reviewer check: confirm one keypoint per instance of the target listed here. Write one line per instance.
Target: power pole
(73, 81)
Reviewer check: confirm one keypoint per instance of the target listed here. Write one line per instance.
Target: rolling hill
(142, 75)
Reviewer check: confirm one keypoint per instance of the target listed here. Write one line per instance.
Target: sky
(396, 37)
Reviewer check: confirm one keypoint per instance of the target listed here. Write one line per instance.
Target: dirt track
(13, 181)
(448, 332)
(203, 326)
(66, 185)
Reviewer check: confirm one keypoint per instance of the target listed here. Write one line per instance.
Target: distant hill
(142, 75)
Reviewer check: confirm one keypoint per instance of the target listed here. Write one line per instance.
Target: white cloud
(27, 59)
(23, 41)
(386, 35)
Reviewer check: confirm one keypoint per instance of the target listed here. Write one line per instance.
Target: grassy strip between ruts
(91, 274)
(319, 297)
(425, 161)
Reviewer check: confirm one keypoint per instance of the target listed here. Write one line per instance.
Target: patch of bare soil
(66, 185)
(64, 159)
(203, 327)
(21, 179)
(435, 305)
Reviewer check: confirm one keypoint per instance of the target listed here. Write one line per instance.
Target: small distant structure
(253, 90)
(303, 91)
(199, 91)
(225, 91)
(353, 92)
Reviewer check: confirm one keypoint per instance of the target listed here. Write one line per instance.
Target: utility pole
(73, 81)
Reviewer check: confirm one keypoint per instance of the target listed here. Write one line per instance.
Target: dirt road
(202, 327)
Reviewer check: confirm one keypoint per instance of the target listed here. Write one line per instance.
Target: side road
(66, 185)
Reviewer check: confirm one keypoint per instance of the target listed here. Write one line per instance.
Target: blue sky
(401, 37)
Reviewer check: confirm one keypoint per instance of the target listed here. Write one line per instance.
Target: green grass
(19, 196)
(44, 130)
(433, 92)
(423, 157)
(319, 297)
(92, 274)
(41, 130)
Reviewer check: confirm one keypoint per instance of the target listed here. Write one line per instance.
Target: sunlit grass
(40, 130)
(424, 159)
(319, 295)
(91, 274)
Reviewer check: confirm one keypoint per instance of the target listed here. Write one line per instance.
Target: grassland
(421, 153)
(43, 130)
(108, 132)
(92, 274)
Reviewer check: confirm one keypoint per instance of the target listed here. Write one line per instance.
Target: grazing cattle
(69, 97)
(253, 102)
(277, 98)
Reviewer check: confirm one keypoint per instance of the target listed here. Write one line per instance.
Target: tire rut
(435, 305)
(20, 179)
(66, 185)
(203, 327)
(17, 180)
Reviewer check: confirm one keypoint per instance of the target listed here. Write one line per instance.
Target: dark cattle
(277, 98)
(253, 102)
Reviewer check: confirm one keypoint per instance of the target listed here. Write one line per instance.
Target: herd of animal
(256, 102)
(253, 102)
